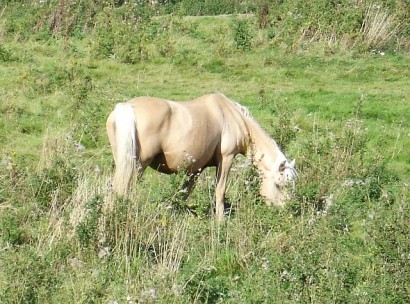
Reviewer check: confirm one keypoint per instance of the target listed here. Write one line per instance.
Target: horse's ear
(292, 163)
(282, 166)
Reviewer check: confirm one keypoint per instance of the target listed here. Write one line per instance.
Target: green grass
(64, 238)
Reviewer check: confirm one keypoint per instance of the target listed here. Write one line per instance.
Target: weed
(87, 231)
(5, 54)
(207, 286)
(32, 286)
(285, 129)
(11, 228)
(242, 35)
(215, 66)
(116, 222)
(59, 179)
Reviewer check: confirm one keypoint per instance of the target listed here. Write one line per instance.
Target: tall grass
(378, 27)
(144, 249)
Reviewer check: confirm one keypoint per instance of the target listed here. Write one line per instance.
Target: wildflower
(265, 264)
(97, 169)
(284, 275)
(69, 136)
(104, 252)
(130, 300)
(176, 289)
(79, 146)
(149, 294)
(7, 163)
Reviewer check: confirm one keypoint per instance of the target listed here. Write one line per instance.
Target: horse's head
(286, 173)
(275, 180)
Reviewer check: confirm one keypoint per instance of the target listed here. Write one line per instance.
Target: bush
(11, 229)
(209, 7)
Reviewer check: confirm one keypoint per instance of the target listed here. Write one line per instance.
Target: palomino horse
(208, 131)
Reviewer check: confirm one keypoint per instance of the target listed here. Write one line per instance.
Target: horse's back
(207, 104)
(158, 114)
(172, 133)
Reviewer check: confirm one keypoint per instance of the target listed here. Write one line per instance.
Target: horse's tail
(127, 153)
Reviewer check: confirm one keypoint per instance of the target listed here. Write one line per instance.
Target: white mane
(242, 109)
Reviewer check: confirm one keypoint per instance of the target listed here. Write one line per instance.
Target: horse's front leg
(189, 184)
(223, 168)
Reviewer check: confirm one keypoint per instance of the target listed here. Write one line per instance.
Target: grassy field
(344, 115)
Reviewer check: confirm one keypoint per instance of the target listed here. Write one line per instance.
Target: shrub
(11, 229)
(123, 33)
(210, 7)
(16, 23)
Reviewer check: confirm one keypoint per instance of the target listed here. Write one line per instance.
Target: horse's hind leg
(110, 125)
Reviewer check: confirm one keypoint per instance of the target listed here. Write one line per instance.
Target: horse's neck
(262, 149)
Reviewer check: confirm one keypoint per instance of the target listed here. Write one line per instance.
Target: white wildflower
(104, 252)
(149, 294)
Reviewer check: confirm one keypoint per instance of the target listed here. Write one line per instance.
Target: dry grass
(378, 27)
(172, 245)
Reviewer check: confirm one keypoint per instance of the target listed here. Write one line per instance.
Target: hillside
(331, 96)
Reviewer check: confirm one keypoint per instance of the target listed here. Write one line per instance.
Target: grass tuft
(379, 27)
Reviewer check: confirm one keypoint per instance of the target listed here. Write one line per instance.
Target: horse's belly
(161, 164)
(174, 162)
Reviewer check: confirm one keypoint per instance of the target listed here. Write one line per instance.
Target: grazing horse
(209, 131)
